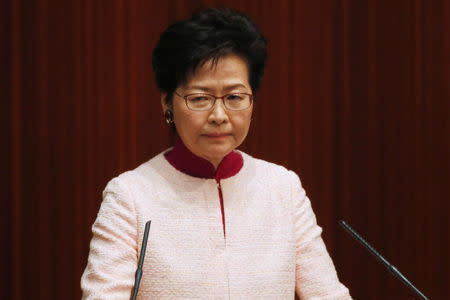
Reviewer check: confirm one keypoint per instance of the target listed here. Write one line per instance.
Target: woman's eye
(234, 97)
(199, 98)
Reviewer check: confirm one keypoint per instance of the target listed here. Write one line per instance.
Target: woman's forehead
(229, 71)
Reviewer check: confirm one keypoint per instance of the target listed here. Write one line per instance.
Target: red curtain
(355, 99)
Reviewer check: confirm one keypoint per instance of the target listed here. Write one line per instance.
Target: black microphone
(382, 259)
(138, 275)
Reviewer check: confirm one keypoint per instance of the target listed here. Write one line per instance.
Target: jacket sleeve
(316, 276)
(112, 260)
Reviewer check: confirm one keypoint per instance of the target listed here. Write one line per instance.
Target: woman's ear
(163, 102)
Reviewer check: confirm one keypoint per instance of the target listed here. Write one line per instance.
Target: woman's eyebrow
(234, 86)
(210, 90)
(199, 87)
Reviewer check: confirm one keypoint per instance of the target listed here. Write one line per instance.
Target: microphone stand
(138, 274)
(382, 259)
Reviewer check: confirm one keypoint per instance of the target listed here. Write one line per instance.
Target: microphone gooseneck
(138, 274)
(382, 259)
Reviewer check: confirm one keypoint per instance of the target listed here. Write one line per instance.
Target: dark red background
(355, 99)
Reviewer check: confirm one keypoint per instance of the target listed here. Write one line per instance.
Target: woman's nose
(218, 113)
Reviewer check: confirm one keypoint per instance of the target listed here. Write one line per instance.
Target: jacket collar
(182, 159)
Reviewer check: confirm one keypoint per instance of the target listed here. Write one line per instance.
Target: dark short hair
(210, 34)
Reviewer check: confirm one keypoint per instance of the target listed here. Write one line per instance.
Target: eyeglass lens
(236, 101)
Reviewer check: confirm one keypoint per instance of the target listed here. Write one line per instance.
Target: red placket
(219, 188)
(185, 161)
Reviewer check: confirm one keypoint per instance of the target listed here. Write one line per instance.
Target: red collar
(182, 159)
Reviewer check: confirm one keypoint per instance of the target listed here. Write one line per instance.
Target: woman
(224, 224)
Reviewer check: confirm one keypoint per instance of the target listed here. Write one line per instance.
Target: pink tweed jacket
(272, 248)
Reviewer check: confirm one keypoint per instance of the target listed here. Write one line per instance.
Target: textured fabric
(187, 162)
(272, 247)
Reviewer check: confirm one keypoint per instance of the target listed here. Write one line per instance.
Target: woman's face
(215, 133)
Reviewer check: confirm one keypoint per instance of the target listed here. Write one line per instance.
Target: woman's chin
(216, 154)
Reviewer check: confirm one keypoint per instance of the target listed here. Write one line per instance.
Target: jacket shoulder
(145, 174)
(264, 167)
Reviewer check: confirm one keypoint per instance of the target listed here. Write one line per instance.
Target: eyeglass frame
(215, 99)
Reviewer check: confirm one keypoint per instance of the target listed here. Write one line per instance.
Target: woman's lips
(217, 135)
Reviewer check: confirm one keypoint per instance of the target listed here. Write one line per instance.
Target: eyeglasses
(203, 102)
